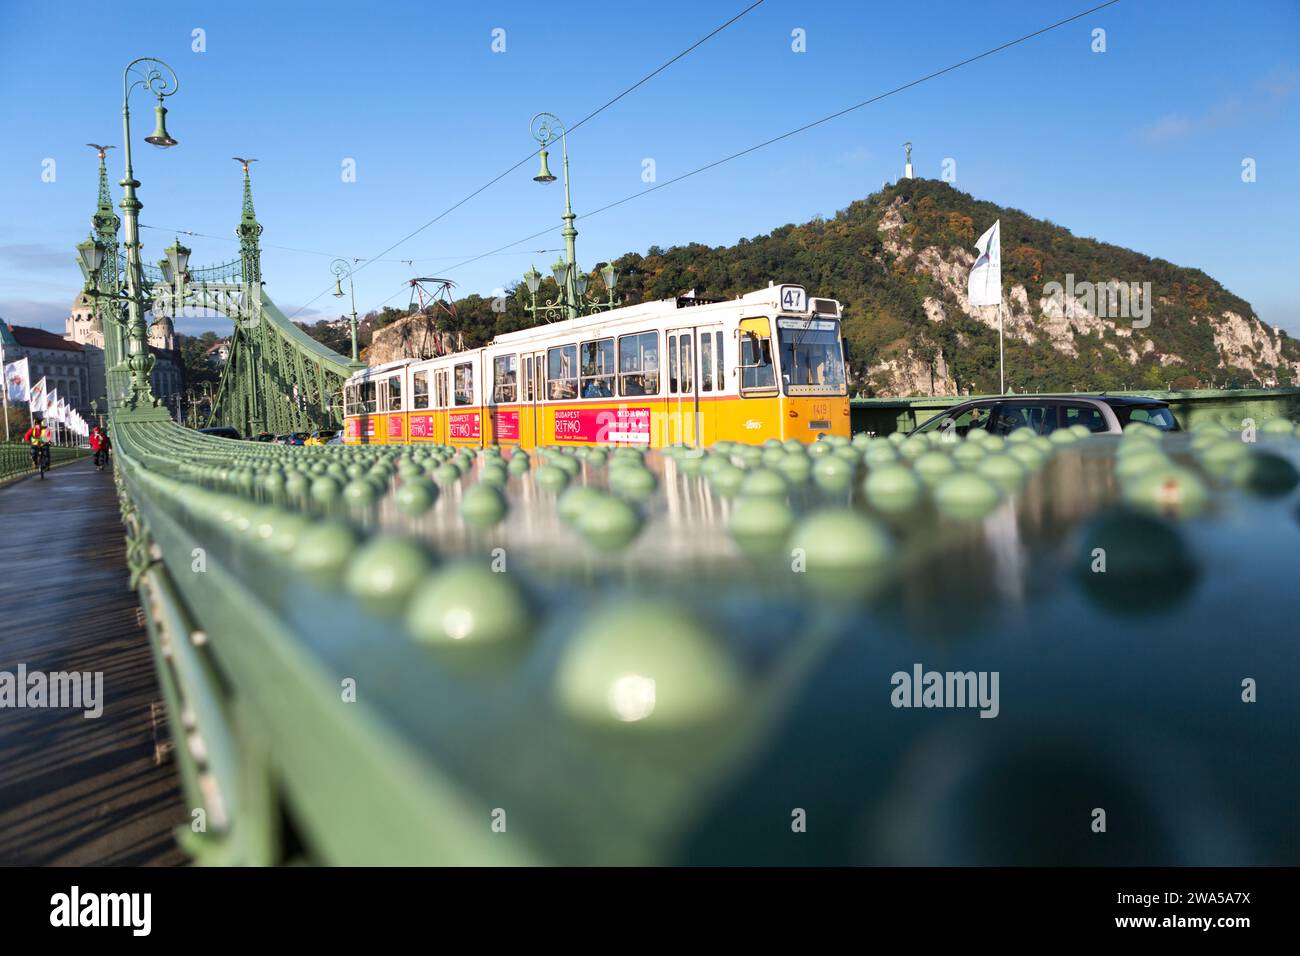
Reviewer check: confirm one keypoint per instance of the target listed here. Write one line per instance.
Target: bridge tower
(104, 225)
(249, 232)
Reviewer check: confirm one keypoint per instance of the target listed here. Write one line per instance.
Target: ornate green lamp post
(341, 268)
(159, 79)
(569, 303)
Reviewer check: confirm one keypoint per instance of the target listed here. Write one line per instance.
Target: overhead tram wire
(807, 126)
(592, 115)
(317, 252)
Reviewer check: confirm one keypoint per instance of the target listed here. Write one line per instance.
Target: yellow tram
(683, 371)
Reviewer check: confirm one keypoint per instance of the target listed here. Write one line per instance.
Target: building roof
(41, 339)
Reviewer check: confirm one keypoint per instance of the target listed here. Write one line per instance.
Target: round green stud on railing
(843, 551)
(966, 495)
(649, 664)
(609, 523)
(1265, 473)
(467, 605)
(384, 572)
(892, 488)
(483, 505)
(415, 496)
(759, 525)
(323, 549)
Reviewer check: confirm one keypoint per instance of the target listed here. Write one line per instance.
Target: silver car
(1101, 414)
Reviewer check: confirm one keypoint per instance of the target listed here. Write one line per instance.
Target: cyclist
(38, 436)
(103, 447)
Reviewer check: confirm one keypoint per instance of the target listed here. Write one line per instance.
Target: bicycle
(101, 458)
(41, 459)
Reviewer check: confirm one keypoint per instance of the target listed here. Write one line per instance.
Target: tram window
(391, 396)
(722, 380)
(756, 362)
(367, 398)
(638, 364)
(672, 365)
(706, 362)
(464, 384)
(503, 379)
(598, 368)
(688, 364)
(528, 378)
(420, 389)
(562, 372)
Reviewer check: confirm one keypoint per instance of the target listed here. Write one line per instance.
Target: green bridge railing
(16, 458)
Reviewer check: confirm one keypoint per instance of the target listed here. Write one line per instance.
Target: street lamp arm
(151, 78)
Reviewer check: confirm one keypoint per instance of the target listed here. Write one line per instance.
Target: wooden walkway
(78, 791)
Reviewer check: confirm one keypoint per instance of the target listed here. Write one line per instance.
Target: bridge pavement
(78, 791)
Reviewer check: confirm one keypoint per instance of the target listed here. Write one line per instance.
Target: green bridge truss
(276, 378)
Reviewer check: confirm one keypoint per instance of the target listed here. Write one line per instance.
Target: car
(262, 437)
(221, 431)
(335, 439)
(1101, 414)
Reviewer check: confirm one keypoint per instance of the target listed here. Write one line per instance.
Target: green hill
(898, 260)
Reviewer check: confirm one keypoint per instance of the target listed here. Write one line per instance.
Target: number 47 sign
(793, 298)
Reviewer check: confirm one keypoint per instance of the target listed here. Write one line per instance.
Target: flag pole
(1002, 364)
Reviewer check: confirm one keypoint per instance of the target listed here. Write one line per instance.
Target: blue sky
(1141, 145)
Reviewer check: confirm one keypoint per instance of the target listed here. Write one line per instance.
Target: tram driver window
(420, 389)
(562, 372)
(756, 371)
(503, 379)
(464, 386)
(638, 364)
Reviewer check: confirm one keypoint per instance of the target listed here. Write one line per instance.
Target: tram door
(683, 389)
(440, 415)
(532, 414)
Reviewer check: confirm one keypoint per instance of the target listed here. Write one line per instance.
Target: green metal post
(139, 360)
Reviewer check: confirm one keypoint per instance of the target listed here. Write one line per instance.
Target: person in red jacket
(100, 442)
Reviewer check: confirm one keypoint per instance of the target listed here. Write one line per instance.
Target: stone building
(64, 365)
(84, 328)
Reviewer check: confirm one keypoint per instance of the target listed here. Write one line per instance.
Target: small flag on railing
(18, 381)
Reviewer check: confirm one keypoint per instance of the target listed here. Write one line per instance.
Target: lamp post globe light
(341, 268)
(159, 79)
(570, 301)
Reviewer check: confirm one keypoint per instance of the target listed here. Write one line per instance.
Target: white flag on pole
(985, 284)
(38, 396)
(18, 381)
(52, 405)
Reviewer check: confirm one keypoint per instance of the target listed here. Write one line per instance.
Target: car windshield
(959, 422)
(1157, 416)
(812, 360)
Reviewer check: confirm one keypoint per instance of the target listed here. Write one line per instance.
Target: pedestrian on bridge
(100, 442)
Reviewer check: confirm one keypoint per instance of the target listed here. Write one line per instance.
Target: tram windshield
(812, 358)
